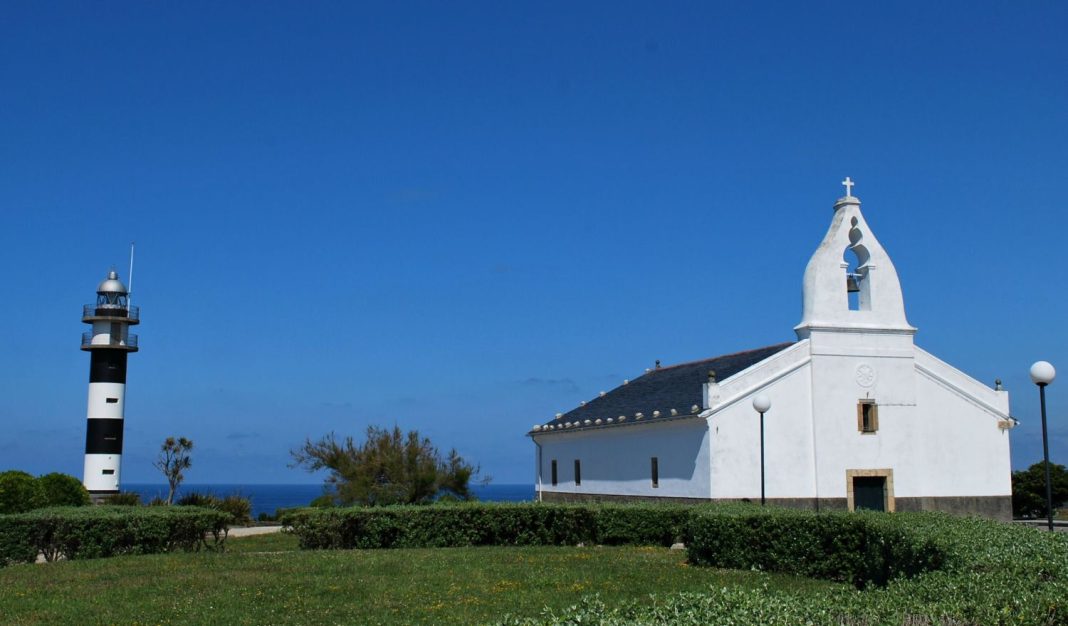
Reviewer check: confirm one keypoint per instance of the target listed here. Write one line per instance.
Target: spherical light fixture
(1042, 373)
(761, 403)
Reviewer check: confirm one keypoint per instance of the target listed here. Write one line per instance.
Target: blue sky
(465, 217)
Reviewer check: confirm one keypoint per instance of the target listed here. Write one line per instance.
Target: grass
(265, 579)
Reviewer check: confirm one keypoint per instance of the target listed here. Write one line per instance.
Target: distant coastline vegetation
(388, 467)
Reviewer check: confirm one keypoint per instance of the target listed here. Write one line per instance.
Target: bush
(196, 499)
(476, 524)
(19, 492)
(93, 532)
(1029, 489)
(238, 509)
(324, 501)
(63, 490)
(860, 548)
(126, 498)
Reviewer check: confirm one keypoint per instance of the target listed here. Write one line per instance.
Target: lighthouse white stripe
(99, 407)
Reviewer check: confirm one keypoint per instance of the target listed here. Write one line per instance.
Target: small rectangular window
(108, 472)
(554, 472)
(578, 472)
(112, 400)
(655, 469)
(867, 416)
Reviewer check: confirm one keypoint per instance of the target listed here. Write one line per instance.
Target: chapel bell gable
(850, 282)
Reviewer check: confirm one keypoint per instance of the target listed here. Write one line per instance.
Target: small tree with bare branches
(173, 461)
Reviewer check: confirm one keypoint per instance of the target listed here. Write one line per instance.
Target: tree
(173, 461)
(389, 467)
(63, 490)
(1029, 489)
(19, 492)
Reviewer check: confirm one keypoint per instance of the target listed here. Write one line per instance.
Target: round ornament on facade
(865, 375)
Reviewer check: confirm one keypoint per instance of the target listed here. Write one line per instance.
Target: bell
(851, 284)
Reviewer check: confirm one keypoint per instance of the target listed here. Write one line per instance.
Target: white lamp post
(761, 404)
(1042, 374)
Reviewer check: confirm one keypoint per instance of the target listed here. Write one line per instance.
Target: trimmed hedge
(93, 532)
(860, 548)
(475, 524)
(941, 570)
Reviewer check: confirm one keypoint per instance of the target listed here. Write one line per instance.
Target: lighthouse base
(101, 497)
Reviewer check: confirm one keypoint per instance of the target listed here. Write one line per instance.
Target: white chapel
(856, 415)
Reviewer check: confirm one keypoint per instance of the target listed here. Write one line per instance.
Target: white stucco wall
(959, 433)
(616, 460)
(735, 430)
(939, 438)
(848, 367)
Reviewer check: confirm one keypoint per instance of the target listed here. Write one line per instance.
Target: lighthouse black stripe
(107, 366)
(104, 436)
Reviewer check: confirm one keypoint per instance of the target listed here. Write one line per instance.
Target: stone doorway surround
(885, 473)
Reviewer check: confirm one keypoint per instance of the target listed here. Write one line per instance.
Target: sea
(270, 498)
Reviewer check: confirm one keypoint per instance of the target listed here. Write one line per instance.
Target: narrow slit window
(108, 472)
(112, 400)
(655, 470)
(867, 416)
(578, 472)
(553, 471)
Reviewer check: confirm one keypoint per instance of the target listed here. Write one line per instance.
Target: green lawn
(265, 580)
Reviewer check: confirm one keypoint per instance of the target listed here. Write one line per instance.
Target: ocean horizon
(268, 498)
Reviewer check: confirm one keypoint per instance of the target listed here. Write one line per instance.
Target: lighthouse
(108, 344)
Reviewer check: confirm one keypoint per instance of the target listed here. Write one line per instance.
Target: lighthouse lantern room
(108, 343)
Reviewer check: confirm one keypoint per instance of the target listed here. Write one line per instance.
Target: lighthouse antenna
(129, 291)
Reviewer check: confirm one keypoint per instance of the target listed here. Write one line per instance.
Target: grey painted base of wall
(561, 496)
(993, 507)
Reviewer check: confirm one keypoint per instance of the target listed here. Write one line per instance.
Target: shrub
(194, 498)
(63, 490)
(93, 532)
(859, 548)
(238, 509)
(19, 492)
(1029, 489)
(475, 524)
(126, 498)
(661, 525)
(324, 501)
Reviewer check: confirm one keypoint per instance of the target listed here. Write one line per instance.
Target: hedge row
(987, 573)
(91, 532)
(863, 549)
(472, 524)
(859, 549)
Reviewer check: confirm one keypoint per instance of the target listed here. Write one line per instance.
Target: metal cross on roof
(848, 183)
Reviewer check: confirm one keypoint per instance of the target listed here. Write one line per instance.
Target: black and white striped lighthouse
(108, 344)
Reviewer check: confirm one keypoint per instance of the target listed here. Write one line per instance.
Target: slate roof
(676, 387)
